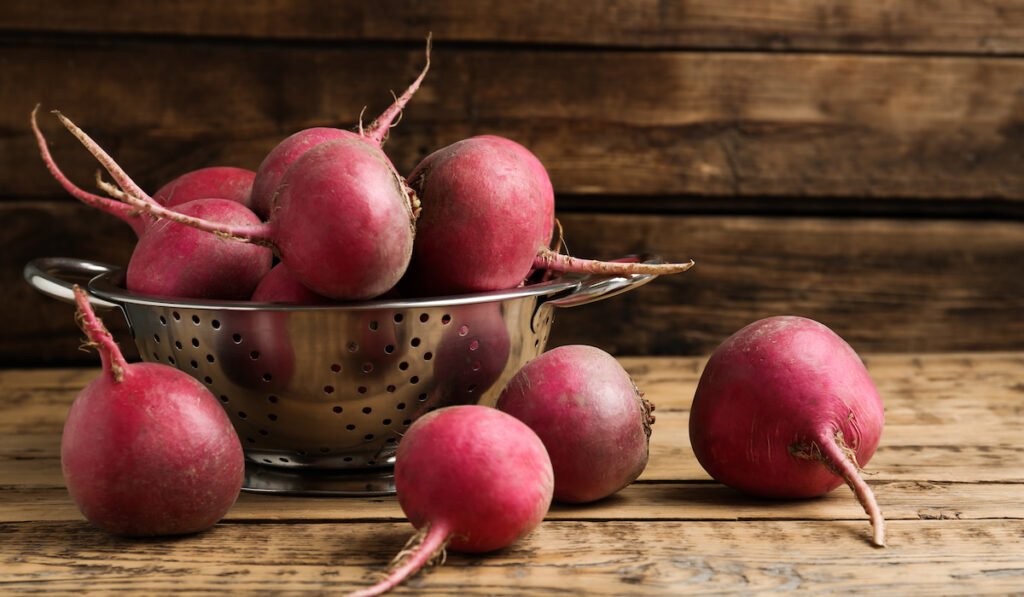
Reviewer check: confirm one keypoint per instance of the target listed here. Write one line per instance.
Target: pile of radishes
(784, 408)
(344, 224)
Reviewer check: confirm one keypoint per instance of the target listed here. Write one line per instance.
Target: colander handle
(594, 287)
(57, 276)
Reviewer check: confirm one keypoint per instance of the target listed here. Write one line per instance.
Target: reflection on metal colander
(321, 395)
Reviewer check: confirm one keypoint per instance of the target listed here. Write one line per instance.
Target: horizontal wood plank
(884, 284)
(651, 124)
(567, 557)
(991, 27)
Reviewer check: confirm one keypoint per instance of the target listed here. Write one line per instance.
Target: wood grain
(933, 26)
(648, 124)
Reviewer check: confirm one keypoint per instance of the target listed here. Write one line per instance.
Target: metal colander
(320, 395)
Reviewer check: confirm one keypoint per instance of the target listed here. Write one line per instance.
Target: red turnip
(271, 171)
(343, 221)
(146, 449)
(786, 409)
(471, 477)
(594, 422)
(216, 182)
(489, 200)
(170, 259)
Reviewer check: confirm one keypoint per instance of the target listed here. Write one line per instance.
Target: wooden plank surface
(673, 532)
(649, 124)
(942, 26)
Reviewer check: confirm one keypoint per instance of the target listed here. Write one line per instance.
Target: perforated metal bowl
(320, 395)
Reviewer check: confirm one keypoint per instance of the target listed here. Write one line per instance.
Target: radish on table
(471, 478)
(146, 449)
(594, 422)
(786, 409)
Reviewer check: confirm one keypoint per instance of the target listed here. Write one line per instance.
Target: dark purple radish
(343, 220)
(594, 422)
(471, 478)
(170, 259)
(271, 171)
(280, 286)
(215, 182)
(786, 409)
(147, 450)
(489, 200)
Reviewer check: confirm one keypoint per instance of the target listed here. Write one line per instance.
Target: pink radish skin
(786, 409)
(280, 286)
(343, 222)
(216, 182)
(471, 477)
(146, 449)
(271, 171)
(170, 259)
(594, 422)
(489, 200)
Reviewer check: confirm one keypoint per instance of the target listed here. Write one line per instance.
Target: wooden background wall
(858, 162)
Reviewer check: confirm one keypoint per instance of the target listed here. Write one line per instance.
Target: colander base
(260, 478)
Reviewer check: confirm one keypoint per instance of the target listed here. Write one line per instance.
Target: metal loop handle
(57, 276)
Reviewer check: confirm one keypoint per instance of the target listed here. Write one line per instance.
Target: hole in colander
(471, 388)
(407, 422)
(195, 319)
(414, 379)
(347, 459)
(163, 320)
(367, 410)
(176, 316)
(237, 338)
(464, 330)
(301, 452)
(414, 342)
(374, 325)
(424, 317)
(335, 367)
(283, 459)
(268, 461)
(352, 347)
(272, 417)
(427, 356)
(272, 399)
(446, 319)
(177, 344)
(208, 379)
(385, 422)
(194, 363)
(195, 342)
(475, 344)
(368, 436)
(337, 410)
(170, 360)
(254, 355)
(350, 427)
(389, 349)
(223, 398)
(264, 432)
(156, 338)
(267, 377)
(242, 415)
(328, 389)
(367, 367)
(361, 389)
(250, 440)
(476, 366)
(400, 406)
(209, 358)
(403, 365)
(399, 317)
(536, 343)
(215, 324)
(392, 440)
(156, 357)
(422, 397)
(391, 389)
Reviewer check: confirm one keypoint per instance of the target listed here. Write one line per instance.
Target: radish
(594, 422)
(786, 409)
(489, 200)
(470, 477)
(343, 221)
(216, 182)
(280, 286)
(271, 171)
(146, 449)
(170, 259)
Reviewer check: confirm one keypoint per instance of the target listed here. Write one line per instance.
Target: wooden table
(949, 475)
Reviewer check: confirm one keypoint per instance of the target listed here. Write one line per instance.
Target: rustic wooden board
(568, 557)
(884, 284)
(651, 124)
(942, 26)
